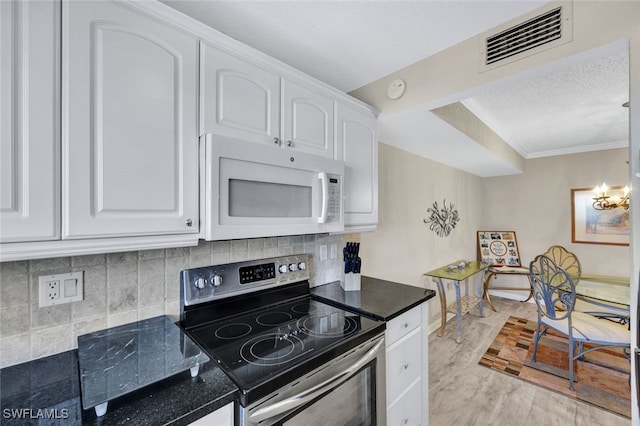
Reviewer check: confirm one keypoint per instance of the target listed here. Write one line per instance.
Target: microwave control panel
(335, 198)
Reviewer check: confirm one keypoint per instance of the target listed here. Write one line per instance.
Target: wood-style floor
(461, 392)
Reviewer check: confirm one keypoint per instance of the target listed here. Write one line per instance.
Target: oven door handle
(310, 394)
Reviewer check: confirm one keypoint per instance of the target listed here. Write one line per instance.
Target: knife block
(351, 282)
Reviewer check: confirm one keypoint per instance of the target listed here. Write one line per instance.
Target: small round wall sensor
(396, 89)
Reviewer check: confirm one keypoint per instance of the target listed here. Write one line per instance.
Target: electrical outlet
(60, 288)
(53, 290)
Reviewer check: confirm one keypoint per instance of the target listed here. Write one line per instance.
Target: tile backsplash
(123, 287)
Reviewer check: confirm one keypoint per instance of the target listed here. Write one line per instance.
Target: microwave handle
(324, 179)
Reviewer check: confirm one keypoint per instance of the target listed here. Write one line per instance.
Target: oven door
(349, 390)
(254, 190)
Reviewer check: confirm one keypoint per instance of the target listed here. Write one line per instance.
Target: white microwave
(250, 190)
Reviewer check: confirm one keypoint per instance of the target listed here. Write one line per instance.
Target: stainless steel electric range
(295, 360)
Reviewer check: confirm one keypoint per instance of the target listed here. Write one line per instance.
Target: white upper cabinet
(29, 121)
(307, 118)
(245, 101)
(358, 147)
(238, 99)
(129, 144)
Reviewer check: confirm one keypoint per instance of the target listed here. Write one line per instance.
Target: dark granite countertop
(47, 391)
(380, 299)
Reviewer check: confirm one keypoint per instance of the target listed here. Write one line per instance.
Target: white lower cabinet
(221, 417)
(407, 410)
(407, 368)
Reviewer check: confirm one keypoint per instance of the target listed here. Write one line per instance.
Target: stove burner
(329, 325)
(233, 331)
(272, 349)
(304, 308)
(270, 319)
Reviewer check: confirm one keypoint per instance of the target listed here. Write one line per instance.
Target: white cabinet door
(408, 409)
(307, 118)
(238, 99)
(358, 147)
(29, 121)
(129, 144)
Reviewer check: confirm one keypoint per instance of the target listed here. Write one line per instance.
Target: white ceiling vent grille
(538, 33)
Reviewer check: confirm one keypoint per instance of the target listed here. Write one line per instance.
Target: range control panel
(216, 282)
(250, 274)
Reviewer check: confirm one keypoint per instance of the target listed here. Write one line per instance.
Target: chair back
(565, 260)
(553, 288)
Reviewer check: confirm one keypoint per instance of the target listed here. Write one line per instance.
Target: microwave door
(251, 190)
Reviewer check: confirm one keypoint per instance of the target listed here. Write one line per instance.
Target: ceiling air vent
(538, 33)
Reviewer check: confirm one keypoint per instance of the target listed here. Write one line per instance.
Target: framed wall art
(591, 226)
(499, 248)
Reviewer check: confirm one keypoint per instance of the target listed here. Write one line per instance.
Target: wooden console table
(462, 304)
(493, 271)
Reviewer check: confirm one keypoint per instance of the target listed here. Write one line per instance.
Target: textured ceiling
(571, 110)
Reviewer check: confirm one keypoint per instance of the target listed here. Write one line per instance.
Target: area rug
(602, 379)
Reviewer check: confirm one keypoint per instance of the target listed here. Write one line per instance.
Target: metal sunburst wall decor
(442, 220)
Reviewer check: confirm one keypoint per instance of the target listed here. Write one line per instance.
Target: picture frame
(499, 248)
(591, 226)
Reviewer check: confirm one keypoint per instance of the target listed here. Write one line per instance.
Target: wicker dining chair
(555, 296)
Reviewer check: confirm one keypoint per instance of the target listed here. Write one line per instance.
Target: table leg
(480, 292)
(485, 290)
(530, 289)
(443, 306)
(458, 311)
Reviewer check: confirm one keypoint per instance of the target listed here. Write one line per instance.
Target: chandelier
(604, 201)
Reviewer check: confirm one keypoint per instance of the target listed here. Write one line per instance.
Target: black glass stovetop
(267, 348)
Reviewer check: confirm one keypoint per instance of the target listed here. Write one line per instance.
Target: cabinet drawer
(402, 325)
(404, 364)
(407, 410)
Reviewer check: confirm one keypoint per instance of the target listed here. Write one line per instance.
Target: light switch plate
(60, 288)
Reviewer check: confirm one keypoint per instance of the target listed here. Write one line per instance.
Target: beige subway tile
(93, 305)
(50, 341)
(122, 274)
(151, 271)
(49, 316)
(14, 319)
(125, 256)
(151, 254)
(90, 260)
(15, 349)
(13, 268)
(122, 299)
(151, 294)
(14, 289)
(95, 278)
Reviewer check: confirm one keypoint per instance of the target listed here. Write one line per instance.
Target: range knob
(216, 280)
(200, 282)
(293, 267)
(283, 268)
(302, 266)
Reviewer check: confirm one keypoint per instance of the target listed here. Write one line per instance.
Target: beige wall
(537, 205)
(403, 247)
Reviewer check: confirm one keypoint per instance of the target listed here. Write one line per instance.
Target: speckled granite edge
(47, 391)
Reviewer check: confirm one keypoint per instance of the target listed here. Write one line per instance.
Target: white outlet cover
(63, 282)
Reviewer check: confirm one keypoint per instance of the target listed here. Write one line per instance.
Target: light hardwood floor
(461, 392)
